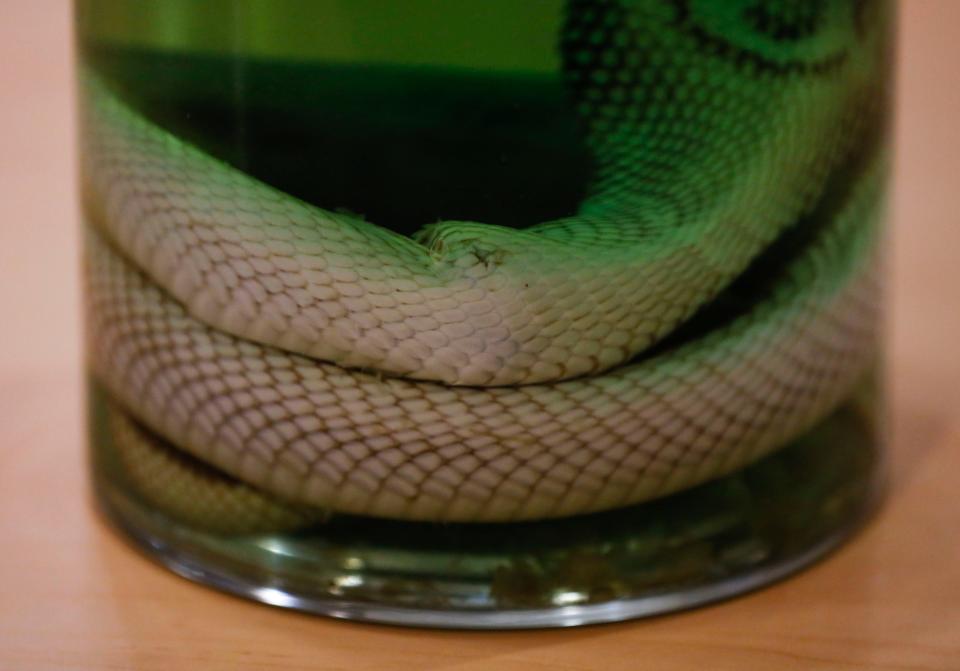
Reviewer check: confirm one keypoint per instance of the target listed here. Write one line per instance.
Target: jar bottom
(713, 542)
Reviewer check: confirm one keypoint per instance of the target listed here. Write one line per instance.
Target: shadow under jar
(484, 314)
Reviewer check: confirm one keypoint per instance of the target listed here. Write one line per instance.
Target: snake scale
(317, 361)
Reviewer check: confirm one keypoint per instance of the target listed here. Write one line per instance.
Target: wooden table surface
(73, 596)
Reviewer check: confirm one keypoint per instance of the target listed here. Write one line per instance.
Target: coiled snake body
(480, 373)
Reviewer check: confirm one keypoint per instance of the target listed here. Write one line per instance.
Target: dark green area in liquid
(401, 146)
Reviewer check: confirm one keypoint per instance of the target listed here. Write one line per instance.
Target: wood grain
(74, 596)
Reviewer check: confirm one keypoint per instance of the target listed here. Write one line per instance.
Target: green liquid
(402, 146)
(407, 144)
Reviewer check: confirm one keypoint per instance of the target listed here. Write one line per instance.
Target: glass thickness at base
(709, 543)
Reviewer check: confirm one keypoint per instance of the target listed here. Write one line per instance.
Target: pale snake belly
(478, 373)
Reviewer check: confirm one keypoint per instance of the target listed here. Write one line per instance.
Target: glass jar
(484, 314)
